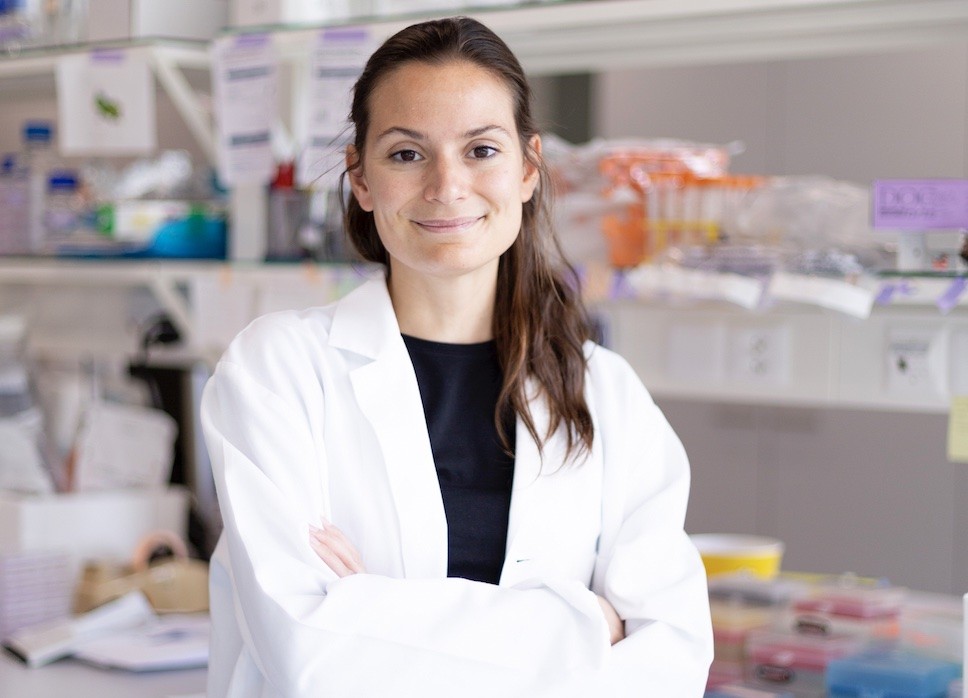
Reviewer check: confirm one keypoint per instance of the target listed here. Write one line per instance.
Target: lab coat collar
(364, 321)
(386, 390)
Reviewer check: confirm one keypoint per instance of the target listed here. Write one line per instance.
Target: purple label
(949, 299)
(355, 34)
(921, 204)
(107, 55)
(252, 41)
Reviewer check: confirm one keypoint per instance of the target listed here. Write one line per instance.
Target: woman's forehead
(459, 95)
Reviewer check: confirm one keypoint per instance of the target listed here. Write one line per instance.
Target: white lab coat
(318, 412)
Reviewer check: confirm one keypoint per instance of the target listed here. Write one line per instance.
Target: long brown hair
(540, 325)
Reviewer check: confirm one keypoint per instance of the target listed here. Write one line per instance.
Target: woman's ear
(354, 168)
(531, 172)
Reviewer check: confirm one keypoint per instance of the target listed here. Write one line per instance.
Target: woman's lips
(446, 225)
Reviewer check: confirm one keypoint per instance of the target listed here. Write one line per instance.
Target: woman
(438, 485)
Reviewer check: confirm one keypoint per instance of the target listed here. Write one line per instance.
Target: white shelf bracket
(173, 81)
(175, 305)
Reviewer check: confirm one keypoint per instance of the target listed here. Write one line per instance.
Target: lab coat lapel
(530, 495)
(556, 506)
(387, 393)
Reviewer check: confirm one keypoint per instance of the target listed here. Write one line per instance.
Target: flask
(38, 151)
(20, 417)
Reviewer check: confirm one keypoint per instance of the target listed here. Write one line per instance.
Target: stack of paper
(35, 587)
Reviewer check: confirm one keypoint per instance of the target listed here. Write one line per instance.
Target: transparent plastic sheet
(623, 201)
(819, 226)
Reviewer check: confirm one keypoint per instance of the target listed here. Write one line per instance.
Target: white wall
(847, 490)
(853, 118)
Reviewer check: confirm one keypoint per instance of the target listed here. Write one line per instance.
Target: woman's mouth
(447, 225)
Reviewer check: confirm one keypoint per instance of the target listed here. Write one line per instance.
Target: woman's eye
(484, 151)
(406, 156)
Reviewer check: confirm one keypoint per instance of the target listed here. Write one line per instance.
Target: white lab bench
(76, 679)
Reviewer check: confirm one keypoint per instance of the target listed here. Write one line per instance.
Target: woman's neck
(457, 310)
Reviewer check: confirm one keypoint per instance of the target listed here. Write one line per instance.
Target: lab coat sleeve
(311, 634)
(648, 568)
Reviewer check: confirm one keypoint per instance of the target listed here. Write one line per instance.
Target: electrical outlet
(914, 365)
(760, 355)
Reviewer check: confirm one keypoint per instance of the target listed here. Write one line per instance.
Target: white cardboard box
(103, 525)
(177, 19)
(250, 13)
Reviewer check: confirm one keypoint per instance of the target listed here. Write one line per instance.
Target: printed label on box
(920, 204)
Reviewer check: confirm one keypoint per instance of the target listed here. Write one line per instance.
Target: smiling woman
(439, 484)
(444, 176)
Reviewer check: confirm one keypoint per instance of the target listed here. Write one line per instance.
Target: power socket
(914, 362)
(760, 355)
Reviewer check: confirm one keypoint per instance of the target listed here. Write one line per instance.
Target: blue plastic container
(738, 691)
(890, 674)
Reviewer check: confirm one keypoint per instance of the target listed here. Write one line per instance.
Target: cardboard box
(90, 525)
(177, 19)
(254, 13)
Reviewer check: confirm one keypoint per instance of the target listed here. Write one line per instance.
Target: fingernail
(314, 529)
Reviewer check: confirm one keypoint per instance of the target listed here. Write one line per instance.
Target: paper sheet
(338, 60)
(170, 642)
(21, 465)
(834, 294)
(105, 104)
(124, 446)
(958, 430)
(245, 87)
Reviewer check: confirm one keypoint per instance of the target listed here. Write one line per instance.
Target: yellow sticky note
(958, 430)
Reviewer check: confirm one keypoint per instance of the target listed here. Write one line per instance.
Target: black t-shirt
(459, 387)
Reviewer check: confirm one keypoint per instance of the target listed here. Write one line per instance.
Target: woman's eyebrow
(418, 136)
(481, 130)
(414, 135)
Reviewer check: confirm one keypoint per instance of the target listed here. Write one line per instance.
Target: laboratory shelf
(567, 37)
(39, 61)
(173, 283)
(171, 61)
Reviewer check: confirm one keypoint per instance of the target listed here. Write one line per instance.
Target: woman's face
(443, 171)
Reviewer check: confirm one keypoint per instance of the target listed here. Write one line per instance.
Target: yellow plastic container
(724, 553)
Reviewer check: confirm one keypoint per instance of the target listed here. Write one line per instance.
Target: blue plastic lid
(62, 180)
(38, 131)
(890, 674)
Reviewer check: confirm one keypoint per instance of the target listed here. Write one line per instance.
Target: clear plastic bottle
(39, 155)
(14, 233)
(64, 21)
(288, 211)
(14, 27)
(63, 212)
(6, 217)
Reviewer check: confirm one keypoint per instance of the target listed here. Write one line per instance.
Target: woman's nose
(446, 181)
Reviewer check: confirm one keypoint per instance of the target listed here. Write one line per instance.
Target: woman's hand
(616, 626)
(335, 549)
